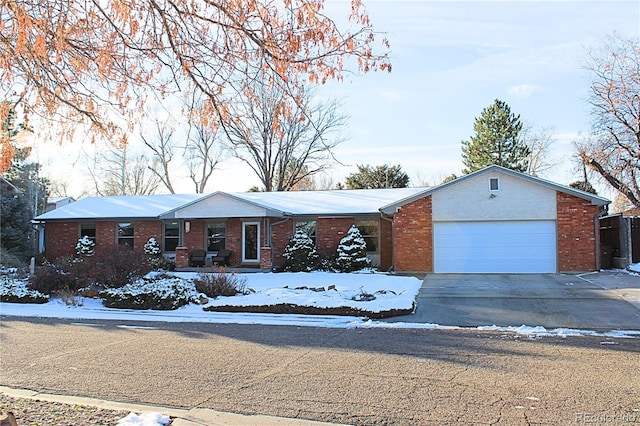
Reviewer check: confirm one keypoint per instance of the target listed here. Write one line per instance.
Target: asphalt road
(354, 376)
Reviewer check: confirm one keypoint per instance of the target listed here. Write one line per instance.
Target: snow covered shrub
(352, 252)
(221, 283)
(300, 255)
(152, 248)
(162, 291)
(85, 247)
(157, 262)
(14, 289)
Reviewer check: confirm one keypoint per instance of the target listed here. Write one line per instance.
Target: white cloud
(523, 90)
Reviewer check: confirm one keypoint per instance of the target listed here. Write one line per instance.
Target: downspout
(389, 218)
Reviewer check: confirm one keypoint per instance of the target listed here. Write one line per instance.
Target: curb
(180, 417)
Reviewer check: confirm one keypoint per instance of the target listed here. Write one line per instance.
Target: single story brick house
(490, 221)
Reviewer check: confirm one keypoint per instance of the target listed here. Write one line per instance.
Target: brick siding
(576, 234)
(330, 231)
(143, 230)
(413, 237)
(60, 239)
(280, 235)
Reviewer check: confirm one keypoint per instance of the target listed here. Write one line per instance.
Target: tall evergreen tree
(497, 141)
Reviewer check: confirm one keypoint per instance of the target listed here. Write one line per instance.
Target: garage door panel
(495, 246)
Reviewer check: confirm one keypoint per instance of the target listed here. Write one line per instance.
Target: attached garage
(496, 220)
(500, 246)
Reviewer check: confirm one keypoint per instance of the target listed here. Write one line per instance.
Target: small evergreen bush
(162, 292)
(352, 252)
(157, 261)
(220, 283)
(300, 255)
(85, 247)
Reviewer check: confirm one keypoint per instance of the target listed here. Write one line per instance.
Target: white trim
(244, 255)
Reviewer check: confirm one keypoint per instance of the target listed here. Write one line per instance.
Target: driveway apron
(588, 301)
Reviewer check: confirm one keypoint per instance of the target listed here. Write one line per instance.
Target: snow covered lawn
(362, 294)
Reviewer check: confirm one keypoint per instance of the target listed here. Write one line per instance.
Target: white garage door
(526, 246)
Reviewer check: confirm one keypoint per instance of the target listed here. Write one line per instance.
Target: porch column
(182, 257)
(265, 258)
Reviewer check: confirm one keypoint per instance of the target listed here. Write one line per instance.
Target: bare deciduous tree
(203, 153)
(116, 172)
(90, 60)
(613, 150)
(284, 139)
(539, 140)
(162, 146)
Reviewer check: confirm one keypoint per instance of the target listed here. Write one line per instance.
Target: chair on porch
(222, 258)
(197, 258)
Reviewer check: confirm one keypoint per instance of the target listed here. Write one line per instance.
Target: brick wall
(330, 231)
(195, 238)
(60, 239)
(234, 241)
(145, 229)
(413, 237)
(576, 234)
(280, 234)
(105, 236)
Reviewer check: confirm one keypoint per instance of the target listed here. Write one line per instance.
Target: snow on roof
(129, 206)
(332, 202)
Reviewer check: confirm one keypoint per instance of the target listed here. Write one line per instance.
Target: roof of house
(594, 199)
(129, 206)
(298, 203)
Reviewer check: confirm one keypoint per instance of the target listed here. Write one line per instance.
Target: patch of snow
(145, 419)
(635, 267)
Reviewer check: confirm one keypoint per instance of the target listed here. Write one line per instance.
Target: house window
(171, 236)
(216, 236)
(370, 231)
(308, 227)
(88, 230)
(125, 234)
(494, 184)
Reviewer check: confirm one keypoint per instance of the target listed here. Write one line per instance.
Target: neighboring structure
(493, 220)
(57, 202)
(620, 240)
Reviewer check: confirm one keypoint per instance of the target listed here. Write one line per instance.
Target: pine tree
(152, 248)
(352, 252)
(497, 141)
(85, 247)
(300, 255)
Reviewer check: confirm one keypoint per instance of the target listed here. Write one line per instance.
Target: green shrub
(352, 252)
(220, 283)
(162, 292)
(300, 255)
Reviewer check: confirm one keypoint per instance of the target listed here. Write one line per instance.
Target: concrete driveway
(601, 300)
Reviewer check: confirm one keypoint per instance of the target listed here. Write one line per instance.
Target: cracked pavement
(351, 376)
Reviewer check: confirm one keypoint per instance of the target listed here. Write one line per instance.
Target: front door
(251, 241)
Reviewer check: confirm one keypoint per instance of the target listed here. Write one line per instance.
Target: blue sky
(450, 60)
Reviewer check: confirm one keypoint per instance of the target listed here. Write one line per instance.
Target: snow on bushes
(159, 291)
(14, 288)
(300, 255)
(157, 262)
(85, 247)
(352, 252)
